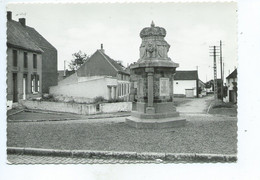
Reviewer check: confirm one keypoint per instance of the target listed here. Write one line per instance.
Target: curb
(111, 116)
(40, 120)
(22, 110)
(163, 157)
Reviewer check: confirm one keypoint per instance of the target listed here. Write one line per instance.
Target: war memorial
(152, 83)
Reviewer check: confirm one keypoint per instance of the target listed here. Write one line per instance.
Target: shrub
(115, 100)
(48, 97)
(99, 99)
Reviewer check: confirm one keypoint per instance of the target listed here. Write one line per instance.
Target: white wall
(87, 89)
(230, 86)
(179, 86)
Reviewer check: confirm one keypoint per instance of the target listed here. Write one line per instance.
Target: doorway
(15, 88)
(24, 86)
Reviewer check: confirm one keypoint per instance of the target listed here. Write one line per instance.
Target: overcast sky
(191, 29)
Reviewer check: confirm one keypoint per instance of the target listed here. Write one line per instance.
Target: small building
(64, 74)
(98, 76)
(186, 83)
(31, 61)
(231, 82)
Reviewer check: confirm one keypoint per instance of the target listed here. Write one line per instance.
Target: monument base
(155, 123)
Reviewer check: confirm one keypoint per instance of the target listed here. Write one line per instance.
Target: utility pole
(64, 73)
(214, 54)
(221, 72)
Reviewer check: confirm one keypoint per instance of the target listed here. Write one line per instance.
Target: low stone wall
(61, 107)
(116, 107)
(84, 109)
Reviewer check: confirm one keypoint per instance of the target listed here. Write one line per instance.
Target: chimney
(9, 15)
(102, 48)
(22, 21)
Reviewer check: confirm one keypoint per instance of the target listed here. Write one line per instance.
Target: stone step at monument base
(155, 123)
(154, 115)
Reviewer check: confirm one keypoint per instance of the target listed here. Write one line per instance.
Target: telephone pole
(214, 54)
(221, 72)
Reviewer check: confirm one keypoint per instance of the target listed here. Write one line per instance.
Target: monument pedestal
(164, 115)
(155, 123)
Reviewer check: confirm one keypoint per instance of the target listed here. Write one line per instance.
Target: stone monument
(152, 83)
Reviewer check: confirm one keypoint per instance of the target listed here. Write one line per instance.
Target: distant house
(31, 61)
(231, 82)
(210, 87)
(201, 88)
(98, 76)
(186, 83)
(64, 74)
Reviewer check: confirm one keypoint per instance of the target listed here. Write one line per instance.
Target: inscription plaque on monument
(164, 87)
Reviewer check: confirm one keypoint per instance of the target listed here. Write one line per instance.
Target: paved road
(195, 106)
(28, 159)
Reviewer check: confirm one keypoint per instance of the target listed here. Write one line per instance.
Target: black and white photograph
(122, 83)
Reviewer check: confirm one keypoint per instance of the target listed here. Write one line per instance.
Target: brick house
(100, 75)
(24, 62)
(31, 61)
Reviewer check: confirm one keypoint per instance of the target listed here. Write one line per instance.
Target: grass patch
(222, 108)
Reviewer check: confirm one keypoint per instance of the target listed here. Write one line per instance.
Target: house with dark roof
(100, 75)
(64, 74)
(31, 61)
(231, 83)
(186, 83)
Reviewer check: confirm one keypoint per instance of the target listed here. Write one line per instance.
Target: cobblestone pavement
(29, 159)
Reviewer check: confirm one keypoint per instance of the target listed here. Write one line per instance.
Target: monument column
(150, 98)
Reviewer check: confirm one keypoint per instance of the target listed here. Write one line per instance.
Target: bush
(48, 97)
(115, 100)
(99, 99)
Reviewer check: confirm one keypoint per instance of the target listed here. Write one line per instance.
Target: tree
(78, 59)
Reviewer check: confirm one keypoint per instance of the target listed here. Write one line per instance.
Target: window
(25, 60)
(15, 58)
(34, 61)
(35, 83)
(119, 90)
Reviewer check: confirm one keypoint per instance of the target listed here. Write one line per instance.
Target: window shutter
(37, 83)
(31, 83)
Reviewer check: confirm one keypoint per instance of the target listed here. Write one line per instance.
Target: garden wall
(84, 109)
(116, 107)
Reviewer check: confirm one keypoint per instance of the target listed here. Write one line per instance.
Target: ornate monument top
(153, 31)
(154, 49)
